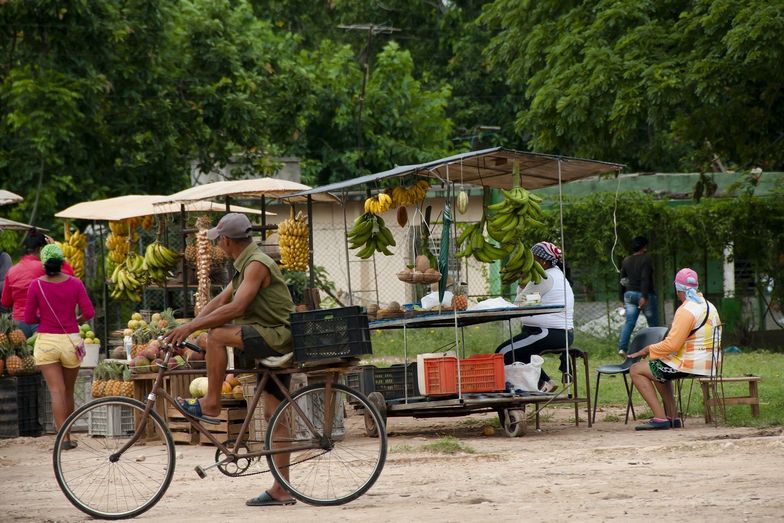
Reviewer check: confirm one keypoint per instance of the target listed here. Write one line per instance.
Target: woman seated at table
(544, 331)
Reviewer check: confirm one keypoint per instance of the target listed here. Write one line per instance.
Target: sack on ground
(524, 376)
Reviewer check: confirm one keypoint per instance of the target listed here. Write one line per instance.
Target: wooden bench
(752, 399)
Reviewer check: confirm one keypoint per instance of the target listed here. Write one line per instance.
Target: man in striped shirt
(687, 350)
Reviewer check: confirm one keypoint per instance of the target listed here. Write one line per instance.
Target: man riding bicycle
(252, 316)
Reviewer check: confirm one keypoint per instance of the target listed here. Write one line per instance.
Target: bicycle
(126, 471)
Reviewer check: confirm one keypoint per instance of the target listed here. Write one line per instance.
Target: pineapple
(28, 361)
(460, 301)
(17, 338)
(13, 363)
(7, 324)
(127, 384)
(99, 380)
(114, 387)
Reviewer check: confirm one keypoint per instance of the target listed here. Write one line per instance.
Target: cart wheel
(377, 399)
(514, 422)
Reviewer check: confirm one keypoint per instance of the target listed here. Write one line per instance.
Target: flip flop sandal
(68, 445)
(192, 408)
(265, 500)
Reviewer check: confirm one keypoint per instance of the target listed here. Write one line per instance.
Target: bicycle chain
(290, 464)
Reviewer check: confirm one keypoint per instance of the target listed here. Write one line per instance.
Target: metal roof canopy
(253, 188)
(11, 225)
(136, 205)
(490, 168)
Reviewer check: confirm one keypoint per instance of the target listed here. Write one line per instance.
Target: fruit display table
(176, 384)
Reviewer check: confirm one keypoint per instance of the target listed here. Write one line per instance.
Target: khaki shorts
(57, 348)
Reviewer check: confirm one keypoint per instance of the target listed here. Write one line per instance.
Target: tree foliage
(659, 85)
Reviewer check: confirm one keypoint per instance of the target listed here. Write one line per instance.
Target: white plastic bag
(524, 376)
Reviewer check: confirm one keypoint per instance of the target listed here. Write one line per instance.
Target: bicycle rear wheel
(340, 467)
(104, 485)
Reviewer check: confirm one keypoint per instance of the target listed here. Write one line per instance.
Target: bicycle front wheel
(96, 480)
(339, 467)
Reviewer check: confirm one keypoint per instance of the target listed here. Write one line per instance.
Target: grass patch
(612, 418)
(448, 445)
(400, 449)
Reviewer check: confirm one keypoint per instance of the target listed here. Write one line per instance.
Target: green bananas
(129, 278)
(521, 266)
(519, 210)
(158, 261)
(474, 244)
(369, 234)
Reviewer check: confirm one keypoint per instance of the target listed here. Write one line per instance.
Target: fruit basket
(419, 277)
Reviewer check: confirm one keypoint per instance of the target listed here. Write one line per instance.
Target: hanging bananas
(129, 278)
(158, 261)
(123, 233)
(518, 211)
(73, 250)
(294, 242)
(522, 267)
(369, 234)
(378, 204)
(474, 244)
(410, 195)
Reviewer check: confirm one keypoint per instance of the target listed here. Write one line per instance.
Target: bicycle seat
(276, 362)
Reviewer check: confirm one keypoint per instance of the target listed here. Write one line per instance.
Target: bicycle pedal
(200, 471)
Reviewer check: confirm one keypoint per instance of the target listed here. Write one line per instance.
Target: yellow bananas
(73, 250)
(294, 242)
(158, 261)
(378, 204)
(369, 234)
(129, 278)
(410, 195)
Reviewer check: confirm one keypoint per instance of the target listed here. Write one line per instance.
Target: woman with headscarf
(51, 303)
(687, 350)
(18, 279)
(544, 331)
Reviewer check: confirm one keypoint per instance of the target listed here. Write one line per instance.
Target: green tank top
(269, 311)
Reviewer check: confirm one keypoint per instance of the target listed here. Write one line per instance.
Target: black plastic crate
(361, 379)
(19, 406)
(392, 381)
(330, 333)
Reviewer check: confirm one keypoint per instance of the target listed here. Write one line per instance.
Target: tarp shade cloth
(7, 197)
(256, 188)
(489, 168)
(135, 205)
(10, 225)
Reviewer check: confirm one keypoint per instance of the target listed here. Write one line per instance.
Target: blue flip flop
(265, 500)
(192, 408)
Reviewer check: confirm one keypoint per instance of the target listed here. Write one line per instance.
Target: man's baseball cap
(233, 225)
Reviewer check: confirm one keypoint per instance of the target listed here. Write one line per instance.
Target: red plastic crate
(480, 373)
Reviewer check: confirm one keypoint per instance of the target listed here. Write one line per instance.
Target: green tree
(659, 85)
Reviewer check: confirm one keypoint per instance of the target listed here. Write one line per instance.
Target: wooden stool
(573, 397)
(752, 399)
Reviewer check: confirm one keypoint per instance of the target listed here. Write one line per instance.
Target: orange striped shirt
(690, 353)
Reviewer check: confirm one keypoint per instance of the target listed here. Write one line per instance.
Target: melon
(237, 391)
(198, 387)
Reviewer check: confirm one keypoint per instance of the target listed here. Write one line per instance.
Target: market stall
(512, 171)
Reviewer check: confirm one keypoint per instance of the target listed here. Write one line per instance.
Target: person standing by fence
(637, 292)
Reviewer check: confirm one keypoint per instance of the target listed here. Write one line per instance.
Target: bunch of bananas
(158, 261)
(147, 222)
(462, 202)
(410, 195)
(521, 266)
(73, 250)
(294, 243)
(519, 210)
(123, 233)
(378, 204)
(129, 278)
(369, 234)
(477, 246)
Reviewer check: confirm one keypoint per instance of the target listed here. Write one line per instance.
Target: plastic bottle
(127, 345)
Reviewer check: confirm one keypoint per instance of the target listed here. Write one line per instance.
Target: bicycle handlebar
(187, 344)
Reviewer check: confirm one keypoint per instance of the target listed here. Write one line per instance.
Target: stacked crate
(230, 417)
(19, 406)
(82, 395)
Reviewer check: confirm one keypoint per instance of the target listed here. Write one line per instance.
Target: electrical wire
(615, 225)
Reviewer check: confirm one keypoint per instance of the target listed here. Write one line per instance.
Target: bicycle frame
(320, 440)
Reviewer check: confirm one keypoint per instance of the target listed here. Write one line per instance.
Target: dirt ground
(608, 472)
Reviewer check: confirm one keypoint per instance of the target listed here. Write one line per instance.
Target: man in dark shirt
(637, 291)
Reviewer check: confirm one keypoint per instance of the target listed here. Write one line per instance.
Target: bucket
(91, 353)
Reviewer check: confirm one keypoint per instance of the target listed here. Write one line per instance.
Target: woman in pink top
(51, 302)
(687, 350)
